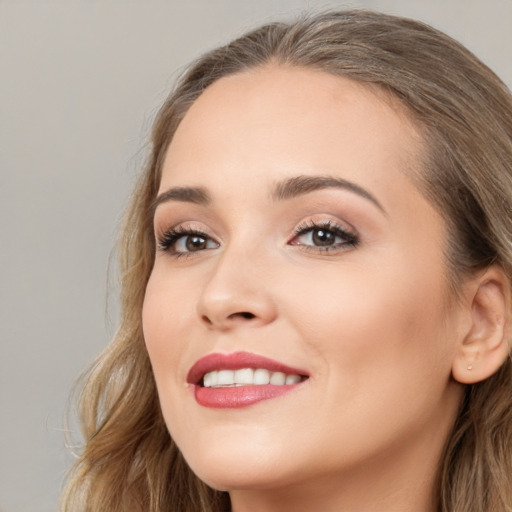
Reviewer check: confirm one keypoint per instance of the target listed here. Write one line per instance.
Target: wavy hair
(129, 461)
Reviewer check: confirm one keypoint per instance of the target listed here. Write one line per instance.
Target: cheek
(166, 309)
(382, 352)
(168, 306)
(376, 328)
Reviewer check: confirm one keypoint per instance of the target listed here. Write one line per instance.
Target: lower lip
(239, 396)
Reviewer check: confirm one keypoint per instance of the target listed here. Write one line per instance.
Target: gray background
(80, 82)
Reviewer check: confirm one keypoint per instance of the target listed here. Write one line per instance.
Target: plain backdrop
(80, 82)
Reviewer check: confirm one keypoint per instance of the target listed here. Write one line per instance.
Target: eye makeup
(324, 236)
(185, 239)
(310, 235)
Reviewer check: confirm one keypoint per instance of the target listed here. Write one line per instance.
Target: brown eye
(180, 241)
(195, 243)
(326, 237)
(322, 237)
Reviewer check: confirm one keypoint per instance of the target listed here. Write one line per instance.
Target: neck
(400, 480)
(380, 493)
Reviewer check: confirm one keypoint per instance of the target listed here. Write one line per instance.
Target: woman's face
(292, 241)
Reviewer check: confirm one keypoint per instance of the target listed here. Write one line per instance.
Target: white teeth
(225, 378)
(292, 379)
(207, 380)
(278, 379)
(245, 376)
(261, 376)
(248, 377)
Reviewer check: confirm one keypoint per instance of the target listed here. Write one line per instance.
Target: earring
(470, 367)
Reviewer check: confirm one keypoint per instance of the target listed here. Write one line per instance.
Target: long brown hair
(129, 461)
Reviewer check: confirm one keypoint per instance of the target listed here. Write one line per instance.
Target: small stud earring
(470, 367)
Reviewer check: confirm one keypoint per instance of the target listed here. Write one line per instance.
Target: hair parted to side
(129, 461)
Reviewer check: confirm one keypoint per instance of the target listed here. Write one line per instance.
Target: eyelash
(167, 242)
(350, 239)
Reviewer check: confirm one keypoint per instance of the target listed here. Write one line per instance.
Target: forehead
(275, 121)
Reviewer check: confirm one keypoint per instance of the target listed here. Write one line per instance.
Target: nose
(237, 294)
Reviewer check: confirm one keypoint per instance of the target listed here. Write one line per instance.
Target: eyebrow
(283, 190)
(196, 195)
(300, 185)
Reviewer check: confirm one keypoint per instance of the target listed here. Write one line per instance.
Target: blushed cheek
(370, 324)
(166, 317)
(161, 312)
(157, 339)
(157, 324)
(153, 321)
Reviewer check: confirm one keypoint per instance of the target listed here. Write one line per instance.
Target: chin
(227, 466)
(226, 476)
(232, 481)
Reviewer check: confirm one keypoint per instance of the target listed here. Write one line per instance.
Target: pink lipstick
(241, 379)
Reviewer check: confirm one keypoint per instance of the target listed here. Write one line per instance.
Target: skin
(374, 324)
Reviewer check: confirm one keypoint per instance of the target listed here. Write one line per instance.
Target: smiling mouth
(249, 377)
(240, 379)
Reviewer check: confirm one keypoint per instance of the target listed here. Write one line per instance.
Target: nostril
(206, 320)
(245, 314)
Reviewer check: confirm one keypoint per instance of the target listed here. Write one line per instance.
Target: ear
(485, 344)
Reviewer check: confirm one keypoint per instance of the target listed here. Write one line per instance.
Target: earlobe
(485, 345)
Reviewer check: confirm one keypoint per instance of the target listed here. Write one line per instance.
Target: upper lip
(237, 361)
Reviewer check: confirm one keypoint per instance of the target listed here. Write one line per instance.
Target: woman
(316, 272)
